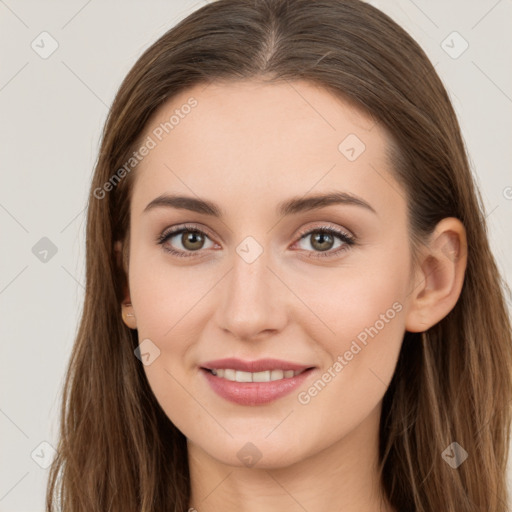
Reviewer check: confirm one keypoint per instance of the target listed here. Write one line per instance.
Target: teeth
(276, 374)
(266, 376)
(261, 376)
(243, 376)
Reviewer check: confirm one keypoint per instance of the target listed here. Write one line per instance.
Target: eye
(191, 240)
(322, 240)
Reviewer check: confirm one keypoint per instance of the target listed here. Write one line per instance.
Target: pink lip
(259, 365)
(254, 393)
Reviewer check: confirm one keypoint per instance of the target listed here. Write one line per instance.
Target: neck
(343, 477)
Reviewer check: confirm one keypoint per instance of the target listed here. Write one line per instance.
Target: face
(263, 272)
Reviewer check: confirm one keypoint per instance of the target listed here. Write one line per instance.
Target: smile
(264, 376)
(244, 388)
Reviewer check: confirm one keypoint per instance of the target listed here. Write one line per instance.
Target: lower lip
(254, 393)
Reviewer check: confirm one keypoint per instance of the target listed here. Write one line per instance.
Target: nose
(253, 302)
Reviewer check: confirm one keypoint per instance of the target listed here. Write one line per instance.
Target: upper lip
(260, 365)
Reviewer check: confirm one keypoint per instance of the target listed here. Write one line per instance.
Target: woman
(291, 303)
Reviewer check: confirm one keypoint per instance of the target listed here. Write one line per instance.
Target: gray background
(52, 112)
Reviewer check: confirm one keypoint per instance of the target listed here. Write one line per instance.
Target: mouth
(254, 382)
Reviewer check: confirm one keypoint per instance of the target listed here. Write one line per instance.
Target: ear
(127, 311)
(440, 276)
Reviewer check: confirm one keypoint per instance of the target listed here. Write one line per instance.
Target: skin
(248, 146)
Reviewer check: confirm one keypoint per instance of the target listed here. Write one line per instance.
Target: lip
(259, 365)
(254, 393)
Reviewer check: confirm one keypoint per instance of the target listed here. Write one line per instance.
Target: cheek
(351, 303)
(165, 296)
(167, 300)
(361, 332)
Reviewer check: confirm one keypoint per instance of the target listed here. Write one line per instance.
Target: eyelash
(346, 239)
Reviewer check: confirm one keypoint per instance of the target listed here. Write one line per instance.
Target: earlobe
(440, 277)
(128, 315)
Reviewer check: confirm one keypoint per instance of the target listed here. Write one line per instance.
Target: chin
(259, 453)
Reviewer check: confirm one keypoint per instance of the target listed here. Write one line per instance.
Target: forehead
(259, 109)
(240, 141)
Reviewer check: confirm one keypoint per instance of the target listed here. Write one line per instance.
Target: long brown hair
(118, 451)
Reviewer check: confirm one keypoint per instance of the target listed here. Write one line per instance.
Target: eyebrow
(288, 207)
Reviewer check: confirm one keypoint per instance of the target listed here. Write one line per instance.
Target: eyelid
(185, 226)
(327, 227)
